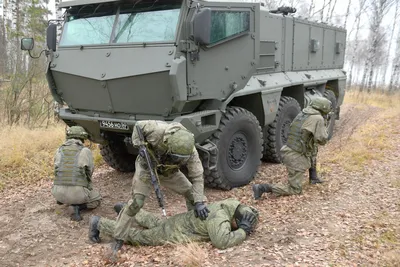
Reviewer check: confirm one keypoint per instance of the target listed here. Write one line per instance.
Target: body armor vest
(296, 140)
(68, 173)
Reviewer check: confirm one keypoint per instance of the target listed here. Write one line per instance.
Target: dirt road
(351, 220)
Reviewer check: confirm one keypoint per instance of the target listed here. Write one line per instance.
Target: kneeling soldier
(73, 172)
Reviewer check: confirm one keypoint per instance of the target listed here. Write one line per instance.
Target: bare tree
(379, 10)
(347, 14)
(395, 76)
(362, 7)
(395, 21)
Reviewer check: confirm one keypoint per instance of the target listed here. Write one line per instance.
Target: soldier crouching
(73, 172)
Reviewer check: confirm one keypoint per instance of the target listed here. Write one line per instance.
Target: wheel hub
(237, 151)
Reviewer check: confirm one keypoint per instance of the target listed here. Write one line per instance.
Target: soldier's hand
(247, 222)
(201, 210)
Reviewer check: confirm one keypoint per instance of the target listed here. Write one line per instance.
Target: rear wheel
(116, 155)
(330, 95)
(239, 142)
(275, 134)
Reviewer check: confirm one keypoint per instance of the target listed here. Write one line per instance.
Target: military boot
(118, 207)
(76, 216)
(259, 189)
(94, 233)
(313, 176)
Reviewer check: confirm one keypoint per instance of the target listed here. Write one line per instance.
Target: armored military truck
(234, 73)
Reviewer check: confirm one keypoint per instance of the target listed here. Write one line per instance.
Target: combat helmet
(321, 104)
(181, 144)
(242, 209)
(76, 132)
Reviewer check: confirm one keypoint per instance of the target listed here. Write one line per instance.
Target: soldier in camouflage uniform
(228, 224)
(307, 131)
(73, 174)
(173, 147)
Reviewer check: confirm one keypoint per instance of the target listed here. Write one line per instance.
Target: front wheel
(116, 155)
(239, 141)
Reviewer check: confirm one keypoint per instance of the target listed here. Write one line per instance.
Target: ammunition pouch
(167, 170)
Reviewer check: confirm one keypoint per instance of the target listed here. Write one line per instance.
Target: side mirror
(202, 26)
(51, 37)
(27, 44)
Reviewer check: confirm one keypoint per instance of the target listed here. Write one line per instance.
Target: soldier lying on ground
(227, 225)
(173, 147)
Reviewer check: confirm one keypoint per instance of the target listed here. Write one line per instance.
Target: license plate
(114, 125)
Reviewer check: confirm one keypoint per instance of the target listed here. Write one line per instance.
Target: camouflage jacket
(185, 227)
(85, 160)
(155, 133)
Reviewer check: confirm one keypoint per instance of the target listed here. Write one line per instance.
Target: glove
(201, 210)
(247, 222)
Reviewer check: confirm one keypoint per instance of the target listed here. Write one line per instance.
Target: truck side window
(225, 24)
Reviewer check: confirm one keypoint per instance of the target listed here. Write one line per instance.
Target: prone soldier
(172, 148)
(228, 224)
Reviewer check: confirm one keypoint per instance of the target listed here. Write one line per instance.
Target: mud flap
(206, 150)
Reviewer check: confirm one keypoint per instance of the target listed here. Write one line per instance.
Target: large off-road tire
(275, 134)
(330, 95)
(115, 154)
(240, 143)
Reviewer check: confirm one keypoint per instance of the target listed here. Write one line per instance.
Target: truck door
(226, 38)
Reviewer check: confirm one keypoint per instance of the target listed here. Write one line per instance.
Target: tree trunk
(396, 14)
(347, 14)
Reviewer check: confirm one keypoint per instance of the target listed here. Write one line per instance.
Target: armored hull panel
(294, 44)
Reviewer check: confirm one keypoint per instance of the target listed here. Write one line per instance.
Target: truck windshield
(119, 25)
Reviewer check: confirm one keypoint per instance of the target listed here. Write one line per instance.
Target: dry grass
(27, 156)
(374, 99)
(190, 255)
(370, 140)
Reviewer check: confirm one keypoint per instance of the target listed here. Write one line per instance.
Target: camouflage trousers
(158, 232)
(296, 164)
(176, 182)
(74, 195)
(294, 186)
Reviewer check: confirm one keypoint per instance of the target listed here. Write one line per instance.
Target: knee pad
(136, 205)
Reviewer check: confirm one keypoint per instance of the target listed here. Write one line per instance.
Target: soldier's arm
(86, 161)
(321, 132)
(57, 159)
(220, 231)
(150, 130)
(195, 176)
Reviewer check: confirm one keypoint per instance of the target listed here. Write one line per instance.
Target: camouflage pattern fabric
(156, 134)
(184, 227)
(77, 194)
(297, 163)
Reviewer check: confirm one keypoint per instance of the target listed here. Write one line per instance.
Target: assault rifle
(117, 245)
(154, 179)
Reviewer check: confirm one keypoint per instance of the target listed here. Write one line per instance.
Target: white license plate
(114, 125)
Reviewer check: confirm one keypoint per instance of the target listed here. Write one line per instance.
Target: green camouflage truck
(234, 73)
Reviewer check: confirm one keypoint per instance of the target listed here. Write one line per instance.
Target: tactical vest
(295, 136)
(68, 173)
